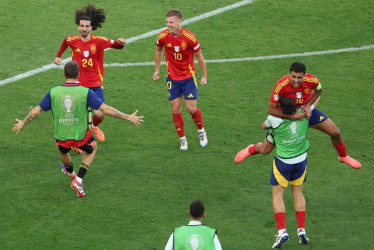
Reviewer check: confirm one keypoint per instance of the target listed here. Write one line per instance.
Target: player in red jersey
(88, 51)
(180, 47)
(305, 89)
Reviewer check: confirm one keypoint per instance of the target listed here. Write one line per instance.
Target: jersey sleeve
(63, 47)
(273, 121)
(93, 100)
(45, 104)
(109, 43)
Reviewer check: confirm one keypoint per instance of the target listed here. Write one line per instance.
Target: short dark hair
(174, 12)
(197, 209)
(287, 105)
(71, 70)
(90, 13)
(298, 67)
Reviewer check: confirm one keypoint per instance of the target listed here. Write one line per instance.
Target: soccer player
(195, 235)
(180, 46)
(88, 51)
(304, 89)
(289, 166)
(68, 103)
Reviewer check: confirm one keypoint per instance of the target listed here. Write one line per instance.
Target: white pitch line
(130, 40)
(258, 58)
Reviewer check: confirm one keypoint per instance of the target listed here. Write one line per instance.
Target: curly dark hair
(90, 13)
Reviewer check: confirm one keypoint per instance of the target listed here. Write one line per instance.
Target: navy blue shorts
(187, 87)
(317, 117)
(284, 173)
(99, 91)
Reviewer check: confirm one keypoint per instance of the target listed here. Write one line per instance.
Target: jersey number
(86, 63)
(178, 56)
(299, 101)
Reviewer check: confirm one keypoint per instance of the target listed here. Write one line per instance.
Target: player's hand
(298, 116)
(133, 118)
(156, 75)
(203, 81)
(308, 111)
(18, 126)
(57, 61)
(121, 41)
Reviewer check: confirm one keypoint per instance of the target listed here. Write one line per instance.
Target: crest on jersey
(298, 95)
(86, 53)
(183, 45)
(306, 91)
(276, 97)
(176, 48)
(93, 48)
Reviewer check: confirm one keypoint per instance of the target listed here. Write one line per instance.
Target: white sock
(183, 137)
(201, 130)
(281, 231)
(79, 179)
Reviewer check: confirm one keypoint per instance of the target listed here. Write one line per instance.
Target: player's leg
(300, 210)
(98, 116)
(190, 92)
(279, 215)
(89, 150)
(280, 176)
(264, 148)
(175, 99)
(297, 178)
(321, 122)
(67, 164)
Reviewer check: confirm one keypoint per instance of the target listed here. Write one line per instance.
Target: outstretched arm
(133, 118)
(35, 112)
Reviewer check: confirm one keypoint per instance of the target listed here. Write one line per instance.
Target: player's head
(287, 105)
(71, 70)
(174, 21)
(90, 14)
(197, 209)
(297, 74)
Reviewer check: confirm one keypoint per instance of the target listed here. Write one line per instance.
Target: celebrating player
(88, 51)
(68, 103)
(180, 46)
(289, 166)
(304, 89)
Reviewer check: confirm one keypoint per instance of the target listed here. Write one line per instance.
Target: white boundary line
(130, 40)
(324, 52)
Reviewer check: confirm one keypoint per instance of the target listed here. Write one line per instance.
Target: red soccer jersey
(301, 95)
(90, 57)
(179, 53)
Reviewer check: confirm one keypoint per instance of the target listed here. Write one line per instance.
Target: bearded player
(88, 51)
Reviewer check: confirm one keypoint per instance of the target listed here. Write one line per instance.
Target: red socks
(179, 124)
(252, 150)
(300, 217)
(280, 218)
(96, 121)
(198, 119)
(342, 150)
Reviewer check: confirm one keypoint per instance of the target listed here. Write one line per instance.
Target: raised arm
(35, 112)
